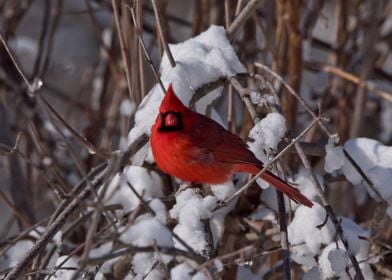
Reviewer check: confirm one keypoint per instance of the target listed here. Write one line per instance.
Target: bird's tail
(278, 183)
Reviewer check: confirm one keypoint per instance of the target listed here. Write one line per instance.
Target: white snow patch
(223, 191)
(189, 210)
(185, 272)
(375, 159)
(182, 271)
(147, 231)
(256, 98)
(312, 274)
(143, 265)
(333, 261)
(102, 250)
(267, 134)
(15, 253)
(334, 158)
(303, 228)
(263, 213)
(145, 182)
(65, 272)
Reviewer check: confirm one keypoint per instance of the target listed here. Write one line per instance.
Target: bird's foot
(197, 187)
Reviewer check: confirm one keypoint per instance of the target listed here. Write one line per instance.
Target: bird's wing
(224, 145)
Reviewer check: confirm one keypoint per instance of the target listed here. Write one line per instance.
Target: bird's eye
(171, 120)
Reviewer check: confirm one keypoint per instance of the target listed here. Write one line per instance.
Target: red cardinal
(196, 149)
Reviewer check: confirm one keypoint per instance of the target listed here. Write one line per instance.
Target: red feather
(196, 149)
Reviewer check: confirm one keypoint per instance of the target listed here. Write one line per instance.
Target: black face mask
(171, 128)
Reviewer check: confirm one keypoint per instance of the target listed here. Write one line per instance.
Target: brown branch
(370, 86)
(149, 249)
(123, 47)
(162, 34)
(146, 54)
(369, 40)
(242, 17)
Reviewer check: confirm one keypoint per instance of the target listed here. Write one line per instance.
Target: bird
(196, 149)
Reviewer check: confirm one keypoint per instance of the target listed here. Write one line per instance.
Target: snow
(271, 99)
(15, 253)
(244, 272)
(334, 158)
(199, 60)
(127, 108)
(143, 265)
(338, 259)
(223, 191)
(333, 258)
(189, 210)
(145, 182)
(267, 134)
(303, 228)
(181, 271)
(67, 272)
(386, 124)
(312, 274)
(375, 159)
(18, 250)
(160, 210)
(333, 262)
(263, 213)
(184, 272)
(102, 250)
(218, 265)
(305, 185)
(149, 230)
(256, 97)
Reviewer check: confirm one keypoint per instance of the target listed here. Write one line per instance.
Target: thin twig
(162, 34)
(370, 86)
(369, 39)
(149, 249)
(87, 144)
(146, 54)
(31, 87)
(284, 241)
(123, 47)
(242, 17)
